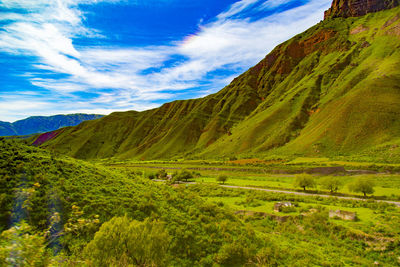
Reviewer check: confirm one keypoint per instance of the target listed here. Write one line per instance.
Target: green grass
(386, 185)
(365, 215)
(369, 217)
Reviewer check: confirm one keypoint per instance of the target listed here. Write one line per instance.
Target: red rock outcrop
(283, 59)
(357, 8)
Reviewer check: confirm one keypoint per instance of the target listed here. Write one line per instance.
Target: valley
(295, 163)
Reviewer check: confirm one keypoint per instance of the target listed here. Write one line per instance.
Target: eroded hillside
(332, 89)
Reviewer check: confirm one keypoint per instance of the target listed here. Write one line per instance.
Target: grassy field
(387, 186)
(370, 216)
(364, 215)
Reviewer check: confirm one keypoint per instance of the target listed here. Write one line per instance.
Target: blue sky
(100, 56)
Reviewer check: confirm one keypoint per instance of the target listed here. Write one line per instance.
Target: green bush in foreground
(125, 242)
(21, 246)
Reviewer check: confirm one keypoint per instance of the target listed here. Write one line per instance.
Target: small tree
(162, 174)
(333, 184)
(222, 179)
(304, 180)
(362, 185)
(184, 175)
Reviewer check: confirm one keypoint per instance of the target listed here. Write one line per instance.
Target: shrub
(20, 246)
(184, 175)
(125, 242)
(162, 174)
(222, 179)
(304, 180)
(362, 185)
(333, 184)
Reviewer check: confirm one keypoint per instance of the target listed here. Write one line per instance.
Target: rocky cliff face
(356, 8)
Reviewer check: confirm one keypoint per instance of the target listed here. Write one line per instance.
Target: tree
(362, 185)
(304, 180)
(162, 174)
(125, 242)
(184, 175)
(333, 184)
(222, 179)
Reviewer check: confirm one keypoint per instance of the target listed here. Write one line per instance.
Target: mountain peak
(357, 8)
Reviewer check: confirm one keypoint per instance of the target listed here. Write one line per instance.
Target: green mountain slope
(172, 129)
(344, 97)
(332, 89)
(41, 124)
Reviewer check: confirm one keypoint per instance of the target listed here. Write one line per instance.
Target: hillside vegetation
(71, 199)
(58, 211)
(332, 90)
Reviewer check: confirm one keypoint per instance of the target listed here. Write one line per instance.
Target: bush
(333, 184)
(304, 180)
(288, 209)
(162, 174)
(183, 175)
(124, 242)
(362, 185)
(222, 179)
(20, 246)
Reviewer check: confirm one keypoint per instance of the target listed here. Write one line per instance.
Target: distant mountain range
(332, 90)
(42, 124)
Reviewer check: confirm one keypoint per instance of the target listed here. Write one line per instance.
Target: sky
(101, 56)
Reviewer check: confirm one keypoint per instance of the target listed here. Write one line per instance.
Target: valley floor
(280, 176)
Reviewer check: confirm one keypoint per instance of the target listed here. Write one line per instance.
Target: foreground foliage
(76, 213)
(36, 186)
(124, 242)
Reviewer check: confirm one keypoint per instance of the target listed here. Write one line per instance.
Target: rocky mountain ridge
(357, 8)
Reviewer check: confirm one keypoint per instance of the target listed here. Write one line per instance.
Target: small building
(342, 214)
(278, 206)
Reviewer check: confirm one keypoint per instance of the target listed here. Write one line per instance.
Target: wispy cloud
(137, 77)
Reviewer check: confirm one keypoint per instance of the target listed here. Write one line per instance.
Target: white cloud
(236, 8)
(274, 3)
(232, 41)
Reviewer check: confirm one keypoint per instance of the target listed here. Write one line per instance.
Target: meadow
(279, 175)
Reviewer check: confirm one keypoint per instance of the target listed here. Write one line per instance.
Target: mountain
(41, 124)
(7, 129)
(356, 8)
(331, 90)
